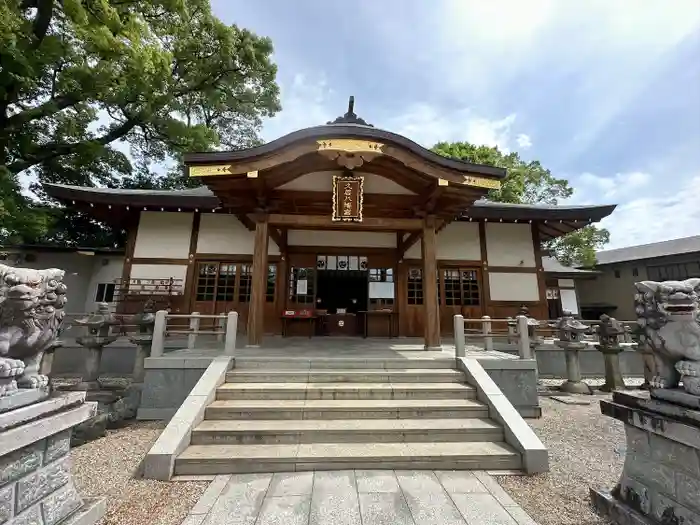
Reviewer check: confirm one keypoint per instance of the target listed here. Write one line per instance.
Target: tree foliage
(531, 183)
(84, 81)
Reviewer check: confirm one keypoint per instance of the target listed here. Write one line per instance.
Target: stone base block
(91, 512)
(22, 398)
(36, 485)
(616, 511)
(660, 481)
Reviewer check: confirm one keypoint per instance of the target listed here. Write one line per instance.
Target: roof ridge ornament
(350, 117)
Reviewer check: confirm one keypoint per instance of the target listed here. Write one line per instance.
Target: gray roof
(551, 265)
(649, 251)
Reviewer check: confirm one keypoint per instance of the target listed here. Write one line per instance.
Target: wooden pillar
(256, 312)
(430, 293)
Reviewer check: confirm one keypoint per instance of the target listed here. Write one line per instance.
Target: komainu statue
(668, 314)
(31, 313)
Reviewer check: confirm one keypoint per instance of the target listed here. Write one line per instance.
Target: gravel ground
(105, 467)
(586, 449)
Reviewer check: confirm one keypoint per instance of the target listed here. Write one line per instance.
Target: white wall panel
(513, 286)
(163, 235)
(225, 234)
(510, 245)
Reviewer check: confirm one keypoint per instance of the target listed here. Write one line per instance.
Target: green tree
(531, 183)
(82, 82)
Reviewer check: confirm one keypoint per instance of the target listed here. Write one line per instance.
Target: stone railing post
(570, 332)
(221, 328)
(512, 330)
(194, 327)
(524, 349)
(486, 331)
(231, 332)
(158, 345)
(460, 340)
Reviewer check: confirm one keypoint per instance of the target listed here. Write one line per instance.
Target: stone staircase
(338, 414)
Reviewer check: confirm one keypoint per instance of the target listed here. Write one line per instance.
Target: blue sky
(603, 93)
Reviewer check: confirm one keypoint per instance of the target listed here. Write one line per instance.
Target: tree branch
(42, 21)
(53, 150)
(46, 109)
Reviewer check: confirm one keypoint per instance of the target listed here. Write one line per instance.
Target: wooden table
(311, 319)
(389, 315)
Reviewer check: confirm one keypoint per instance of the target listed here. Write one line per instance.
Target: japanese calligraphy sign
(347, 198)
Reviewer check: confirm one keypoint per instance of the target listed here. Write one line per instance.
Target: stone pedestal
(574, 383)
(660, 482)
(36, 486)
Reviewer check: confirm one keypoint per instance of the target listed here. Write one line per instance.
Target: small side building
(92, 274)
(612, 291)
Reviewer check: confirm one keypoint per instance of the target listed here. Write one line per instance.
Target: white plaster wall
(349, 239)
(569, 301)
(164, 235)
(566, 283)
(105, 269)
(159, 271)
(513, 286)
(509, 245)
(225, 234)
(458, 241)
(323, 181)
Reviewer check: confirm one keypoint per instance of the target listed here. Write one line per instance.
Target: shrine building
(339, 229)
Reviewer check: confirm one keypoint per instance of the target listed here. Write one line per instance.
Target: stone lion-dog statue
(31, 314)
(668, 314)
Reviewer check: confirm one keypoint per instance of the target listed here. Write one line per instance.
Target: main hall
(341, 229)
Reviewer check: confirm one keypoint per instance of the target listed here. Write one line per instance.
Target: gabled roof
(649, 251)
(203, 197)
(552, 266)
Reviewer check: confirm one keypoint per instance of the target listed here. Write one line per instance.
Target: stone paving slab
(357, 497)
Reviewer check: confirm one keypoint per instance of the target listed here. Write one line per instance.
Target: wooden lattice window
(381, 275)
(271, 283)
(301, 293)
(206, 281)
(461, 287)
(245, 283)
(226, 283)
(415, 286)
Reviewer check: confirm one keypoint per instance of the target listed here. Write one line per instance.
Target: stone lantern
(145, 321)
(609, 332)
(99, 326)
(570, 332)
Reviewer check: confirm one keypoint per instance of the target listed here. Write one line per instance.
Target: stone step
(408, 375)
(345, 409)
(231, 459)
(345, 431)
(299, 391)
(322, 363)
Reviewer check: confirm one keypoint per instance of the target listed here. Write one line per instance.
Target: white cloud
(524, 141)
(305, 103)
(308, 101)
(595, 188)
(654, 218)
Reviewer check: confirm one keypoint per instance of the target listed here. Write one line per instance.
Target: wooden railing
(526, 333)
(225, 329)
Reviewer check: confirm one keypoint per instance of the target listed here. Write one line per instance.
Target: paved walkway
(360, 497)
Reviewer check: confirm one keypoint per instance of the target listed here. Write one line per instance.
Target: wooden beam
(256, 312)
(410, 241)
(276, 236)
(541, 279)
(430, 292)
(321, 221)
(246, 221)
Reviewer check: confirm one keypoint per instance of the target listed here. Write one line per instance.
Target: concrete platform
(170, 378)
(358, 497)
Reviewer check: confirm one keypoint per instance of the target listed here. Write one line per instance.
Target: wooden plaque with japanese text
(347, 198)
